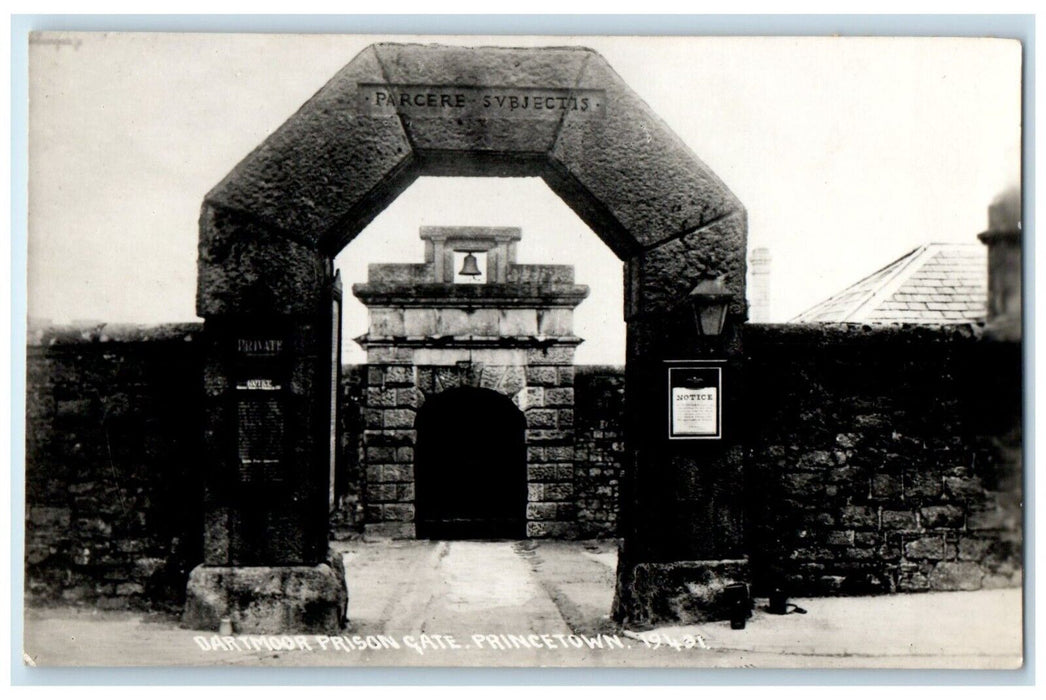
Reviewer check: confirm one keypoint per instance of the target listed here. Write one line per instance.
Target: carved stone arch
(313, 185)
(270, 229)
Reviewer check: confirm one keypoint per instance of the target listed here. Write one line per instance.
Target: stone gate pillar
(267, 390)
(682, 500)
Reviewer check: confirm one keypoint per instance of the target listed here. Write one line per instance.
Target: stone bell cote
(429, 313)
(445, 244)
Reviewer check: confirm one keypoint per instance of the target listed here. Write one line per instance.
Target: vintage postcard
(524, 351)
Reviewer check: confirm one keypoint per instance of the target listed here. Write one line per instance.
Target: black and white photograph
(357, 350)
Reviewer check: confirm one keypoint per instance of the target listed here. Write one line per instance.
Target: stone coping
(797, 333)
(860, 333)
(100, 333)
(467, 341)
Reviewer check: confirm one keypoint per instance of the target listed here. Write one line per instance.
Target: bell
(470, 268)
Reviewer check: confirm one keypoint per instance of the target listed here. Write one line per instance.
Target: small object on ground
(779, 605)
(740, 605)
(778, 602)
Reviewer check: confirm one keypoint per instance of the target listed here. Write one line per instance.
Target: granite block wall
(541, 386)
(575, 438)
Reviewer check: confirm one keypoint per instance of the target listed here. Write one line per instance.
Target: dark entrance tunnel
(470, 467)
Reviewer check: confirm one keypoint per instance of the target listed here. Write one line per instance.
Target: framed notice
(695, 409)
(260, 420)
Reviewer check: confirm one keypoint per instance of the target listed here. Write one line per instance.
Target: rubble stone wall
(599, 448)
(877, 460)
(113, 495)
(882, 459)
(347, 518)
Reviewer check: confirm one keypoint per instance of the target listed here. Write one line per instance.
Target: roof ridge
(889, 287)
(858, 283)
(932, 283)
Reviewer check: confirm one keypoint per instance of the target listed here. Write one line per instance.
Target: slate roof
(936, 283)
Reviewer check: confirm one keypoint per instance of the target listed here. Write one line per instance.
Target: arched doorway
(470, 466)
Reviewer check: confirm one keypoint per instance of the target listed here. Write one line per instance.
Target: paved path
(539, 603)
(413, 587)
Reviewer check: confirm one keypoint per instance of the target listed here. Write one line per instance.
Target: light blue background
(1011, 26)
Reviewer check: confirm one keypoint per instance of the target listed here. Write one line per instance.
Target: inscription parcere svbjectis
(453, 101)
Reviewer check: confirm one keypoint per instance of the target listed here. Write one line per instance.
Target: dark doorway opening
(470, 467)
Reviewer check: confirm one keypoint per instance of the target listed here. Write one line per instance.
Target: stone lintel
(389, 531)
(498, 233)
(470, 295)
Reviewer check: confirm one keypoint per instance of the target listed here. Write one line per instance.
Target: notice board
(695, 402)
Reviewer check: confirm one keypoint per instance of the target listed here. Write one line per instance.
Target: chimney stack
(1003, 239)
(759, 286)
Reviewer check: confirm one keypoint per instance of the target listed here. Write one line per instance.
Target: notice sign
(259, 346)
(695, 408)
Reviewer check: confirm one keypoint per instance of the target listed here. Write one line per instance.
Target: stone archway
(270, 229)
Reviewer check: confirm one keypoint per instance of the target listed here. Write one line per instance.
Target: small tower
(759, 286)
(1003, 239)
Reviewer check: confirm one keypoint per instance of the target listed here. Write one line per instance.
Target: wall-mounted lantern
(708, 301)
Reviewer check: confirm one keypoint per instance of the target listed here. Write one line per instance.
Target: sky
(846, 152)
